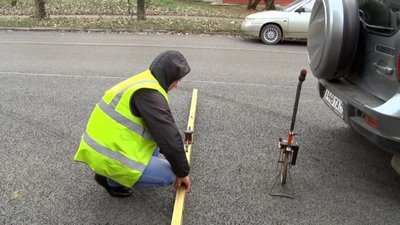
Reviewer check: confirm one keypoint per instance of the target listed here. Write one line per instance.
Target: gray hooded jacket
(149, 104)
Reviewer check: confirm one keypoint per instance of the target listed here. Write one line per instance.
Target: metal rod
(302, 77)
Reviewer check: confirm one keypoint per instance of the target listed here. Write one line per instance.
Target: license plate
(334, 102)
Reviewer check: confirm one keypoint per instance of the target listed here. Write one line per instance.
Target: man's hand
(183, 180)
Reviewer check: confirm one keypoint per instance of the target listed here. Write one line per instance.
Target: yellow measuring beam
(180, 193)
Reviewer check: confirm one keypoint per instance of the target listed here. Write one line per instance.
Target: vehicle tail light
(371, 121)
(398, 67)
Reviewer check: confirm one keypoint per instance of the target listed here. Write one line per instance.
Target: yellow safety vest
(116, 143)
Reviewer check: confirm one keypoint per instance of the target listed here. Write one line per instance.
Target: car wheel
(332, 37)
(270, 34)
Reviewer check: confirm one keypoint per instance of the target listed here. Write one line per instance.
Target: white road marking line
(119, 78)
(154, 46)
(59, 75)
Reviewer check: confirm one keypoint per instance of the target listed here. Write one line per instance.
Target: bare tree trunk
(249, 4)
(141, 11)
(253, 5)
(40, 9)
(271, 5)
(129, 8)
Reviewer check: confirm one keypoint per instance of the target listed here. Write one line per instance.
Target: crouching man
(131, 125)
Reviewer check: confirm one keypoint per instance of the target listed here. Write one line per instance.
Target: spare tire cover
(332, 37)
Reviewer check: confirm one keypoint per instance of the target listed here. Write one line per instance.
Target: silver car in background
(353, 49)
(289, 22)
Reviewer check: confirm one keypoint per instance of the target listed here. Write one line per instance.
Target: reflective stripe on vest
(113, 155)
(117, 98)
(137, 128)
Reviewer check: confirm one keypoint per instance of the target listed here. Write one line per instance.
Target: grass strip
(177, 25)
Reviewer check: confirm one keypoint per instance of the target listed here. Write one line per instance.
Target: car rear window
(381, 16)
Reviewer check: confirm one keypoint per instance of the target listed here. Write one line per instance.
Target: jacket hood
(168, 67)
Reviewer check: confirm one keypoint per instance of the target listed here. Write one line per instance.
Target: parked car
(353, 49)
(272, 26)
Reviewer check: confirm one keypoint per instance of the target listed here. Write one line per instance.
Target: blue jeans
(158, 173)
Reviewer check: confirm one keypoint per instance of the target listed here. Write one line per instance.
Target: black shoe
(113, 191)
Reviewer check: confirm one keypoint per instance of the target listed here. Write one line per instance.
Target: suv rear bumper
(357, 104)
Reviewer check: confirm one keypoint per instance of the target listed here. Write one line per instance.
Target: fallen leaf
(19, 194)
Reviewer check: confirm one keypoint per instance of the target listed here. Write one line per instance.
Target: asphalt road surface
(49, 83)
